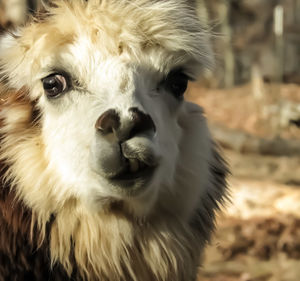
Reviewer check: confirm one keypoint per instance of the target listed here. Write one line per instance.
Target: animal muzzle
(124, 152)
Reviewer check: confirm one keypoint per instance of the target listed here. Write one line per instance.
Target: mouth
(127, 168)
(135, 174)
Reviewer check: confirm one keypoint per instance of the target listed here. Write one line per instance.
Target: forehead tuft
(158, 33)
(126, 25)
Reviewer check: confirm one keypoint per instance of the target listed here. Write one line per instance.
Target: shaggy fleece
(63, 218)
(25, 250)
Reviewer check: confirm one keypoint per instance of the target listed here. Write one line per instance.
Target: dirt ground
(258, 234)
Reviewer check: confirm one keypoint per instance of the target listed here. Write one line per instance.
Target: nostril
(108, 122)
(141, 122)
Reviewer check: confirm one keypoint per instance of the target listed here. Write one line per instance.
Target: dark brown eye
(176, 82)
(54, 85)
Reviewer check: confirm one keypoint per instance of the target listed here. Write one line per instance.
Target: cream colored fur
(119, 51)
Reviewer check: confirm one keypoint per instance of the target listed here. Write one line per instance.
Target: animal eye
(54, 85)
(176, 82)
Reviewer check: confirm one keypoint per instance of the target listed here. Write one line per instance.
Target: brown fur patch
(21, 258)
(24, 252)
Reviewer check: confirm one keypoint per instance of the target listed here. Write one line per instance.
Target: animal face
(117, 172)
(108, 78)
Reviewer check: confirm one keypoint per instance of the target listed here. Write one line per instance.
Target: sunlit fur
(119, 51)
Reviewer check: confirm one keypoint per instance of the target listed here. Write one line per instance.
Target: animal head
(97, 135)
(108, 78)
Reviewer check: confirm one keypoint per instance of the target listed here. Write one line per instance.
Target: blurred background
(252, 102)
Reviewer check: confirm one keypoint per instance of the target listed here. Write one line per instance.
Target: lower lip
(133, 180)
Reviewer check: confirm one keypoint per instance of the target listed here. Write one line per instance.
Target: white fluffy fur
(118, 51)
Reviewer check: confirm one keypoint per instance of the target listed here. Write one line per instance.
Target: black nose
(139, 122)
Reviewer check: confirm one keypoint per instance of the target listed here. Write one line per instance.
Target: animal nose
(108, 122)
(139, 122)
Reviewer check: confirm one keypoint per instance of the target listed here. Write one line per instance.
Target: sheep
(107, 172)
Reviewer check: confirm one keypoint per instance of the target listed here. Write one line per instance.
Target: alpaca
(107, 172)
